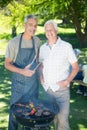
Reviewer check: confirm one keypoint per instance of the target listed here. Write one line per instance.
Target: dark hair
(29, 17)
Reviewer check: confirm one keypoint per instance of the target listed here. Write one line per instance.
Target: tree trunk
(14, 31)
(81, 35)
(83, 41)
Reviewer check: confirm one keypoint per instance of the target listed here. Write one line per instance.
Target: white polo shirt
(56, 62)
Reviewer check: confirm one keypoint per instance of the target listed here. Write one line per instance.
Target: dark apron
(23, 88)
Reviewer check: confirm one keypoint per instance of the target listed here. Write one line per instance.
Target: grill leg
(45, 128)
(23, 128)
(26, 128)
(34, 129)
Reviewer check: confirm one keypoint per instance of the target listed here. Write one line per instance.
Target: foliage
(3, 3)
(74, 11)
(69, 10)
(15, 13)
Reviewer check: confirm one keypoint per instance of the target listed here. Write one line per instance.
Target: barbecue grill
(35, 114)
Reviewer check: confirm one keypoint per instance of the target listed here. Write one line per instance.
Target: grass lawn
(78, 107)
(78, 111)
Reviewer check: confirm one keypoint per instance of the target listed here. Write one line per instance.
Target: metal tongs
(28, 66)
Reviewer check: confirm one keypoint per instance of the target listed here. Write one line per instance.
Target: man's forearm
(13, 68)
(26, 71)
(73, 74)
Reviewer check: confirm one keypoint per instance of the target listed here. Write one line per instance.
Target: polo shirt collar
(57, 42)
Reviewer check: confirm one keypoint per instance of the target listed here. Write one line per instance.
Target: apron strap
(33, 43)
(20, 41)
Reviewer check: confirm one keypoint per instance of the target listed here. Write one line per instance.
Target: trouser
(13, 124)
(61, 121)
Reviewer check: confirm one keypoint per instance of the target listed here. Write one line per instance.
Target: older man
(20, 53)
(57, 56)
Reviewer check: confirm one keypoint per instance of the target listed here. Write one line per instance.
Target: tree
(74, 10)
(3, 3)
(16, 11)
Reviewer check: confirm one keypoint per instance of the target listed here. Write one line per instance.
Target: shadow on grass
(5, 87)
(62, 24)
(78, 112)
(69, 37)
(66, 25)
(3, 128)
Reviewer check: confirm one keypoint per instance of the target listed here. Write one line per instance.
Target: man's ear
(24, 25)
(57, 31)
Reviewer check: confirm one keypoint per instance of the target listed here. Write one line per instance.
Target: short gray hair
(51, 22)
(31, 16)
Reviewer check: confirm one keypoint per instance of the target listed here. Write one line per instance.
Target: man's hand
(26, 72)
(63, 83)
